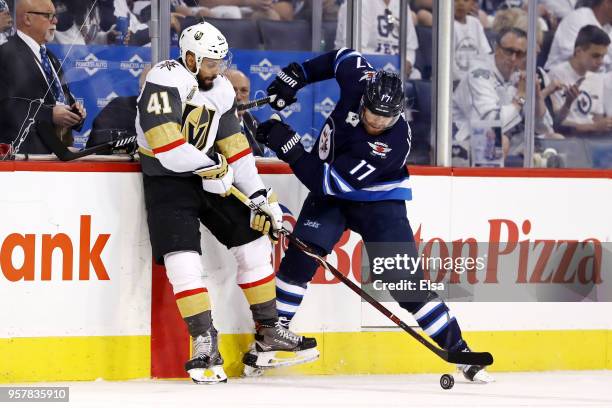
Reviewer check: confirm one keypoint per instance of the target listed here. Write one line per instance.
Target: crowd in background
(490, 49)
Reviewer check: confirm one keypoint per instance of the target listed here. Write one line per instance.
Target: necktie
(56, 88)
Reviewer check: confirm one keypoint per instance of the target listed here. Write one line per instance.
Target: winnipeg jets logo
(584, 102)
(325, 142)
(379, 149)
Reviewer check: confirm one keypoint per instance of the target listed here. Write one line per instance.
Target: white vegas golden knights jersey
(174, 115)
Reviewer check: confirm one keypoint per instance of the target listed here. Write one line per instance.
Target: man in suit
(6, 22)
(248, 122)
(37, 110)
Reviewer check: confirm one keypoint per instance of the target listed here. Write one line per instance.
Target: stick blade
(470, 358)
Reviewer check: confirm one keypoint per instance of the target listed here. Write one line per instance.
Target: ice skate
(206, 364)
(476, 374)
(272, 338)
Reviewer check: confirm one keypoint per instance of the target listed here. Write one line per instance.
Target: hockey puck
(447, 381)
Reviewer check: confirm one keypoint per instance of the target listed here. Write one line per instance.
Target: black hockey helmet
(384, 94)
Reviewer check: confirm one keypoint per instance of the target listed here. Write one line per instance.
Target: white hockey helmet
(204, 41)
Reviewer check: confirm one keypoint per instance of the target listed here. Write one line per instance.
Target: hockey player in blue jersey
(358, 180)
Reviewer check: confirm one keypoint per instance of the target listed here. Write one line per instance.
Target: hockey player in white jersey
(192, 152)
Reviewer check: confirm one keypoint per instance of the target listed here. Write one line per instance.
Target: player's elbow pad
(183, 158)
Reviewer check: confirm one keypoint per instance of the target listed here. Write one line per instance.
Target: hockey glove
(280, 138)
(286, 84)
(269, 218)
(217, 178)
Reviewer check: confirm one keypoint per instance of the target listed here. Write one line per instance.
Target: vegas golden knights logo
(196, 125)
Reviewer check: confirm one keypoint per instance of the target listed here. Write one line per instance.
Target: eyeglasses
(509, 52)
(48, 16)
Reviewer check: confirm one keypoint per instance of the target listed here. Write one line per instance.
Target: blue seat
(424, 56)
(418, 100)
(293, 35)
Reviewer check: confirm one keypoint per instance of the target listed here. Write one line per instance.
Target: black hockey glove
(279, 137)
(286, 84)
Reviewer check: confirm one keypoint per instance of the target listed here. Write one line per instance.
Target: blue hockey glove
(286, 84)
(280, 138)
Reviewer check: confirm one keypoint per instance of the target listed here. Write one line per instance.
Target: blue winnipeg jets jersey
(345, 161)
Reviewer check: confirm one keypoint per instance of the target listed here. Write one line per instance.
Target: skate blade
(207, 376)
(270, 359)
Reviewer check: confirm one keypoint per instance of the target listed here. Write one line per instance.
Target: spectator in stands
(494, 89)
(85, 22)
(380, 31)
(559, 8)
(303, 10)
(424, 12)
(469, 39)
(6, 22)
(37, 109)
(518, 17)
(248, 122)
(268, 9)
(579, 106)
(480, 14)
(132, 17)
(599, 14)
(191, 8)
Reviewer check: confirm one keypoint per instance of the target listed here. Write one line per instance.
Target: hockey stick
(62, 153)
(259, 102)
(455, 357)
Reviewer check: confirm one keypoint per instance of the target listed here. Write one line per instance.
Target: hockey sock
(260, 295)
(438, 322)
(194, 306)
(288, 298)
(184, 271)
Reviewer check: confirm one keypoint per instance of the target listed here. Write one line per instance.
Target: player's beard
(206, 84)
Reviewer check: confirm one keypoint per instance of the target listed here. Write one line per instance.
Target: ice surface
(543, 389)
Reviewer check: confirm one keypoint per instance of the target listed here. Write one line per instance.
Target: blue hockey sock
(438, 322)
(288, 298)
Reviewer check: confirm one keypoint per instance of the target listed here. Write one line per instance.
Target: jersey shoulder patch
(172, 74)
